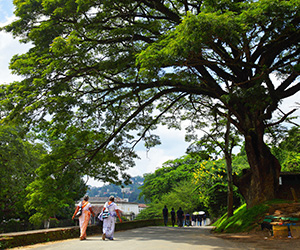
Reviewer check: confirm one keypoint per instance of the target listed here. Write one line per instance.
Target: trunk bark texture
(261, 181)
(230, 189)
(228, 157)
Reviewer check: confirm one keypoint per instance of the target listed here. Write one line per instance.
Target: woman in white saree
(108, 216)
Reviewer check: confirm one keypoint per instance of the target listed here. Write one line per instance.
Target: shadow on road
(147, 238)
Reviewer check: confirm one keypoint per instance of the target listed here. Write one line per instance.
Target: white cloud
(173, 146)
(92, 182)
(152, 160)
(8, 48)
(6, 9)
(289, 104)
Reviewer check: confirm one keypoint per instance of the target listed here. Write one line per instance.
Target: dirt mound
(285, 210)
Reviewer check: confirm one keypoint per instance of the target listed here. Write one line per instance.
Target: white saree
(110, 221)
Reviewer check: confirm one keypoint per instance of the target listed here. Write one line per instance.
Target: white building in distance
(129, 209)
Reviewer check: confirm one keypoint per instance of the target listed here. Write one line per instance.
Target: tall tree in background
(220, 141)
(102, 67)
(164, 179)
(288, 150)
(19, 159)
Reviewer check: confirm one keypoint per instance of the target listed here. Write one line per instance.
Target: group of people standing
(182, 218)
(199, 220)
(108, 215)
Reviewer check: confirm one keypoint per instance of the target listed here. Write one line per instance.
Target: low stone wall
(138, 223)
(10, 240)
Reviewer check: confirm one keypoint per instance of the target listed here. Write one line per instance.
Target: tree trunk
(229, 188)
(228, 157)
(261, 181)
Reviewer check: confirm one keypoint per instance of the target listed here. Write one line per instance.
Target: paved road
(154, 238)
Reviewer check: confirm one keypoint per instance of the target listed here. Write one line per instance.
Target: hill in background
(130, 192)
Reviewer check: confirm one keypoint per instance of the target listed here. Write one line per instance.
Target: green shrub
(243, 219)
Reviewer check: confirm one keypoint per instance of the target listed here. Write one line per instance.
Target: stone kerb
(10, 240)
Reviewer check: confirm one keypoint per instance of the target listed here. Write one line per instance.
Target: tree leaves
(19, 158)
(118, 69)
(165, 179)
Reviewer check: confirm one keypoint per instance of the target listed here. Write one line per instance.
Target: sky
(173, 144)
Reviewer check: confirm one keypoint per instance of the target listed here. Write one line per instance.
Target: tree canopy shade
(19, 159)
(100, 68)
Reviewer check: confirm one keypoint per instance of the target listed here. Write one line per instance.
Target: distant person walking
(84, 218)
(199, 219)
(108, 216)
(204, 219)
(165, 214)
(180, 217)
(187, 219)
(193, 220)
(173, 217)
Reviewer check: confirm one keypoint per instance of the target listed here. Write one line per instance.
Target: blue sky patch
(6, 9)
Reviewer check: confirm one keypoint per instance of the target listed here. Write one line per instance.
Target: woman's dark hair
(86, 197)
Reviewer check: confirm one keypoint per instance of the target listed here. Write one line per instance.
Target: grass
(243, 219)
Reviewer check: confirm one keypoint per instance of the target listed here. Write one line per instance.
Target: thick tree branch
(281, 120)
(132, 116)
(163, 9)
(158, 117)
(286, 83)
(291, 91)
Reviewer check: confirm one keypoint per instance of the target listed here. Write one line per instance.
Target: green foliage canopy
(211, 184)
(52, 191)
(288, 151)
(166, 178)
(182, 195)
(104, 67)
(19, 159)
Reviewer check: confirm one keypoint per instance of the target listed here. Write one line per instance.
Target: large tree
(103, 66)
(20, 157)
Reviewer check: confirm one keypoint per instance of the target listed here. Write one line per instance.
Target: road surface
(154, 238)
